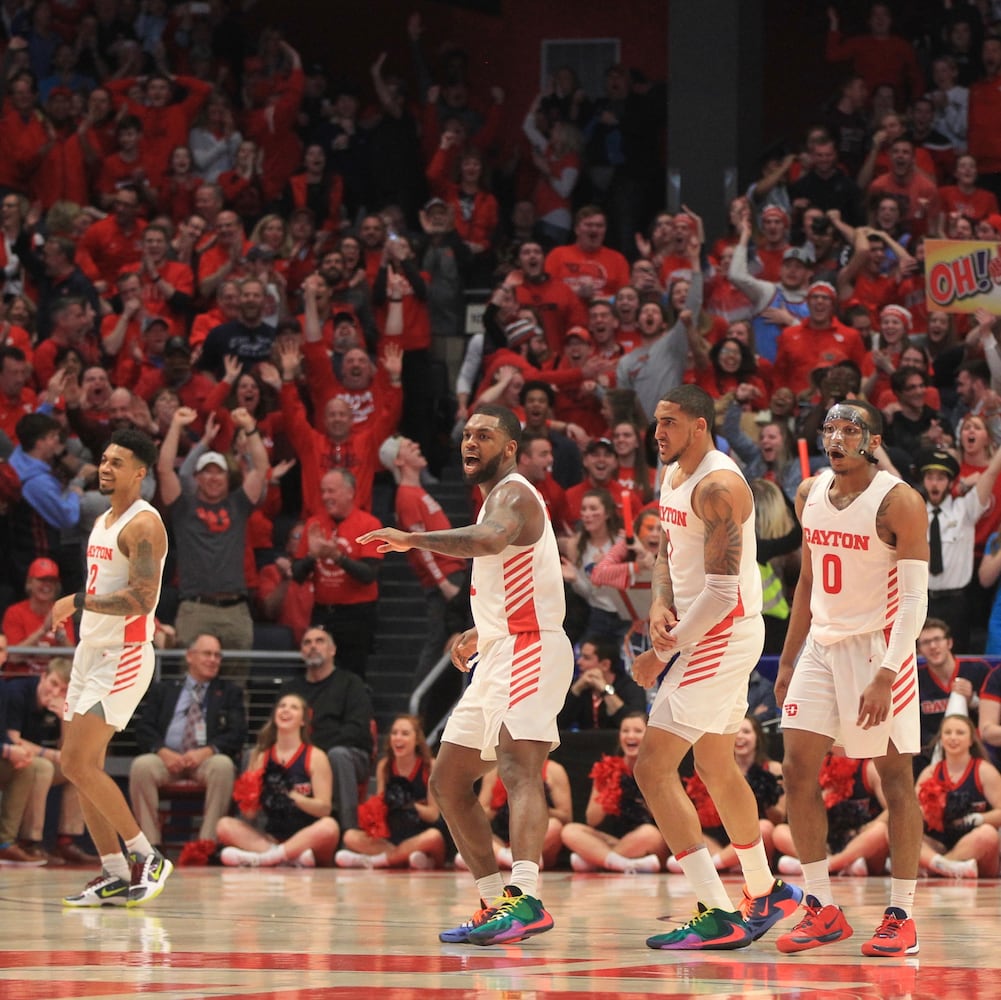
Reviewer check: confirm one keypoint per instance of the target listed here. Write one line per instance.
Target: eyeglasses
(932, 641)
(915, 385)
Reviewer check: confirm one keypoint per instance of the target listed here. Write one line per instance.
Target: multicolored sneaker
(105, 890)
(515, 916)
(762, 913)
(821, 925)
(149, 875)
(460, 934)
(711, 929)
(895, 936)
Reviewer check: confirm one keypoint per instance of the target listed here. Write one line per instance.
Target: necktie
(935, 544)
(193, 721)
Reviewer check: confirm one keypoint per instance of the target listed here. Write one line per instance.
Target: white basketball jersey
(686, 542)
(521, 588)
(854, 571)
(108, 571)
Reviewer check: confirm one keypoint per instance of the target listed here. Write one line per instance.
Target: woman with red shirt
(731, 364)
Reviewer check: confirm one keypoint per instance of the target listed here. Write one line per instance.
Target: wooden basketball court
(325, 934)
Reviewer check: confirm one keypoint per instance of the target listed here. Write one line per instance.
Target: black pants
(352, 627)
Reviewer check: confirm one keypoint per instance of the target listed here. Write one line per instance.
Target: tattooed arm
(144, 542)
(512, 517)
(722, 500)
(662, 618)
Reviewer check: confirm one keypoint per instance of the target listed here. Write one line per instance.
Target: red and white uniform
(525, 661)
(853, 604)
(113, 665)
(685, 532)
(840, 579)
(705, 690)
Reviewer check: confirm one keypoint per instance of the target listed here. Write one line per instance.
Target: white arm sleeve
(912, 582)
(717, 600)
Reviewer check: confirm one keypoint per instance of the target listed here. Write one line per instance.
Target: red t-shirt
(606, 269)
(111, 249)
(801, 348)
(332, 583)
(417, 510)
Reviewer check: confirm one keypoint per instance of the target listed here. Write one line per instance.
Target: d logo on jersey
(790, 708)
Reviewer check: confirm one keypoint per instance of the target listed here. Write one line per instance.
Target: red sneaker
(821, 925)
(895, 936)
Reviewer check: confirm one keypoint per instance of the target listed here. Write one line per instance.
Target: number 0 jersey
(108, 571)
(855, 587)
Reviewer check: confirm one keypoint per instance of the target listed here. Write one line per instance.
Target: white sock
(490, 887)
(704, 879)
(754, 865)
(859, 868)
(504, 857)
(525, 875)
(616, 862)
(115, 864)
(274, 855)
(139, 845)
(817, 876)
(579, 864)
(380, 860)
(788, 865)
(648, 864)
(902, 893)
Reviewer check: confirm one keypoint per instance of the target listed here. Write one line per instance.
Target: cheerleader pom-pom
(372, 817)
(197, 853)
(607, 777)
(247, 791)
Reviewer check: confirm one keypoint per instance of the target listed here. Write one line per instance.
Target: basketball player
(112, 669)
(524, 664)
(706, 608)
(859, 607)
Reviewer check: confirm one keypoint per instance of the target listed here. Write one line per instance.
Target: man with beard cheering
(524, 664)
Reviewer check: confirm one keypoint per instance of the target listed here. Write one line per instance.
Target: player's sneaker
(460, 934)
(105, 890)
(821, 925)
(149, 875)
(515, 916)
(895, 936)
(711, 929)
(762, 913)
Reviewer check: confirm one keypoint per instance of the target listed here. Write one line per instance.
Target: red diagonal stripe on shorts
(532, 664)
(709, 652)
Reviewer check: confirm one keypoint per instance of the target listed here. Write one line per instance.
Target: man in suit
(191, 728)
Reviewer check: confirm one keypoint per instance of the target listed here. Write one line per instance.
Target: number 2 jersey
(855, 588)
(108, 571)
(686, 542)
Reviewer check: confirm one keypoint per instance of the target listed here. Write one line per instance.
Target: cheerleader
(857, 833)
(960, 798)
(289, 781)
(765, 778)
(559, 801)
(397, 824)
(619, 834)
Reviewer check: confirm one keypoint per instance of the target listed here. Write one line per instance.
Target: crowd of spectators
(263, 265)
